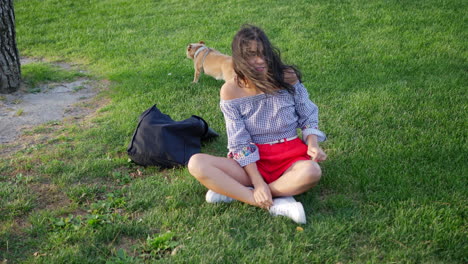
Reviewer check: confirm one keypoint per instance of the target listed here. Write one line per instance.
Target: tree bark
(10, 68)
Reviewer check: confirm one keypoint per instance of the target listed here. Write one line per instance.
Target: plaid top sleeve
(307, 113)
(240, 145)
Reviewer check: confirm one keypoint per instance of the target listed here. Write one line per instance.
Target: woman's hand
(290, 76)
(262, 195)
(313, 149)
(316, 153)
(261, 192)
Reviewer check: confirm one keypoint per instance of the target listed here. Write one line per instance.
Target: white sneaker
(295, 211)
(214, 197)
(283, 200)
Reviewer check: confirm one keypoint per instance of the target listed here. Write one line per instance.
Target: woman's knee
(311, 173)
(196, 164)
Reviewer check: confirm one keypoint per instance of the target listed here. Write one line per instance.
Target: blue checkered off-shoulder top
(265, 118)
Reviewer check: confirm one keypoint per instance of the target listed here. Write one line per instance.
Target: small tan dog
(210, 61)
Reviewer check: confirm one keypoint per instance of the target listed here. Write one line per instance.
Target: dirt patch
(50, 102)
(49, 196)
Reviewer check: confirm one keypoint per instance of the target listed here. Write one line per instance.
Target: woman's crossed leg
(226, 177)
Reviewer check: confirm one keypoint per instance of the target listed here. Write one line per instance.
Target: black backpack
(160, 141)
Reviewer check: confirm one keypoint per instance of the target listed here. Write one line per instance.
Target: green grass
(37, 73)
(389, 78)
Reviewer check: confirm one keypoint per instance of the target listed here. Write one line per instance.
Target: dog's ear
(201, 42)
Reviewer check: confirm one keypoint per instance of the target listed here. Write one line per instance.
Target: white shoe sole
(214, 197)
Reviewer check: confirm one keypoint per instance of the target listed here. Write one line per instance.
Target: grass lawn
(390, 79)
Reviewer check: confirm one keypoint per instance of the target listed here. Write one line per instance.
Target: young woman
(263, 106)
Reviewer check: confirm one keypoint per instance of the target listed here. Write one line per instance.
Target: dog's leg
(197, 75)
(198, 70)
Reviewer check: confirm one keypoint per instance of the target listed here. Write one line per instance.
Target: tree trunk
(10, 69)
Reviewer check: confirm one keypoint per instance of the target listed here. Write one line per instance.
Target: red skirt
(275, 159)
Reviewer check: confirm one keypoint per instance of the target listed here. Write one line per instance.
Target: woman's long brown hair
(274, 79)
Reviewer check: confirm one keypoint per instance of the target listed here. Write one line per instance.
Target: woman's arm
(307, 113)
(240, 147)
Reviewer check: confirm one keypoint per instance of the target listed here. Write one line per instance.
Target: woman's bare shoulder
(230, 90)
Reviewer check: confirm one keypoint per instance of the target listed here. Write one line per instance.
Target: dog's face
(192, 48)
